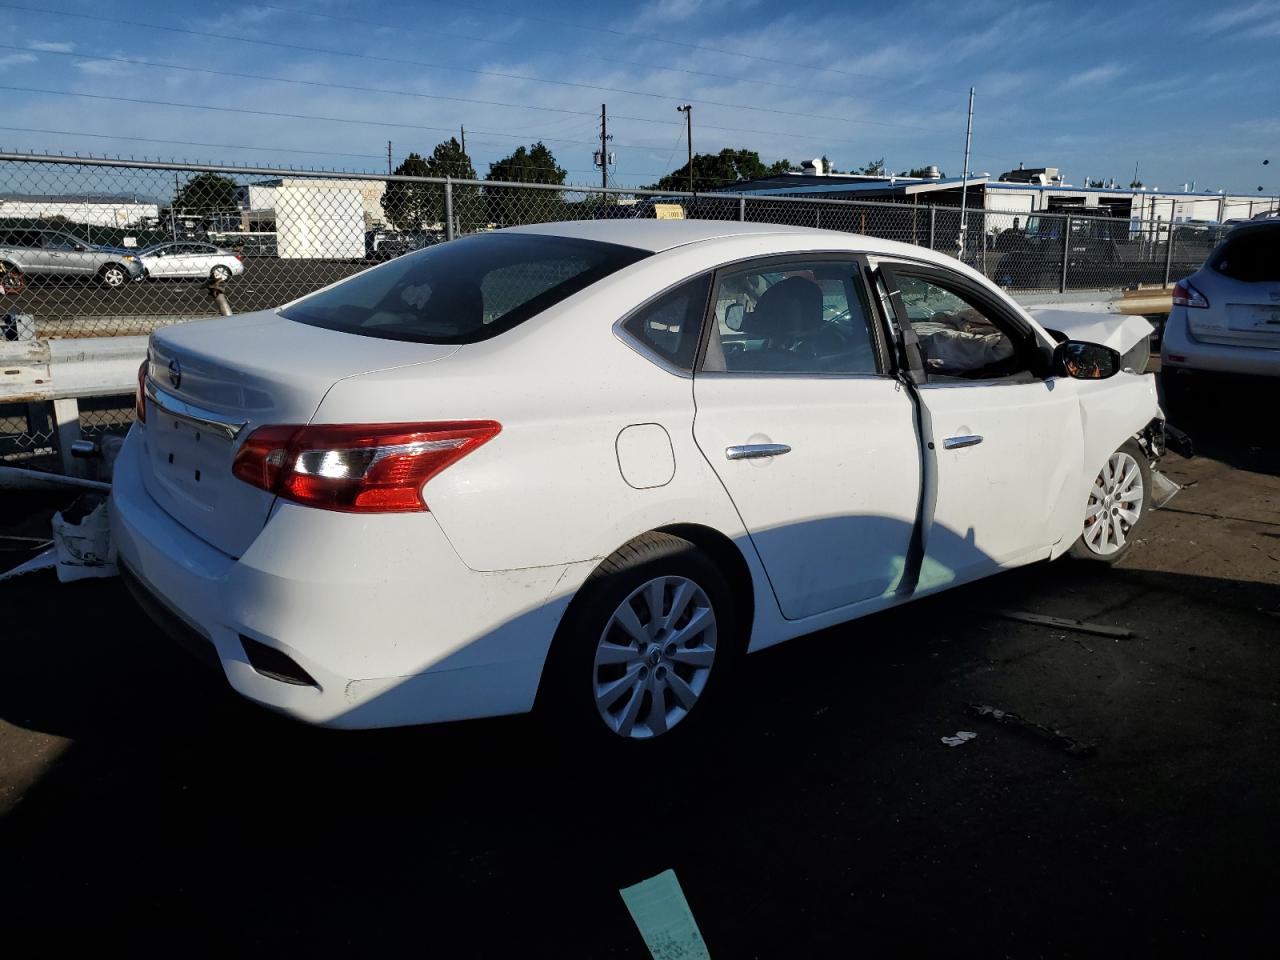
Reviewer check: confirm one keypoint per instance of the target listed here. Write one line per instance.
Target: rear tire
(644, 647)
(1117, 507)
(114, 276)
(220, 274)
(12, 279)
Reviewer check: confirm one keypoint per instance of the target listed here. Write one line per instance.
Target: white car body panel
(448, 614)
(832, 519)
(985, 503)
(1121, 332)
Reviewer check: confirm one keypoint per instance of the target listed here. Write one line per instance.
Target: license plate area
(191, 460)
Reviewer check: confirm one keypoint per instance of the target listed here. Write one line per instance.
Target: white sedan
(187, 259)
(584, 467)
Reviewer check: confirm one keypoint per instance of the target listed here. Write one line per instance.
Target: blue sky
(1191, 91)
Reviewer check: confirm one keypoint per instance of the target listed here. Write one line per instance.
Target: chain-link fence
(102, 248)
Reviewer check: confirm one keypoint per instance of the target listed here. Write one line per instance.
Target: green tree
(206, 194)
(918, 172)
(875, 168)
(420, 206)
(409, 205)
(512, 205)
(715, 171)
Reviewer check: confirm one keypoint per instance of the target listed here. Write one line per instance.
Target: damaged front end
(1156, 438)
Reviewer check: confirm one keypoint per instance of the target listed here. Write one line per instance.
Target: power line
(323, 153)
(453, 69)
(166, 65)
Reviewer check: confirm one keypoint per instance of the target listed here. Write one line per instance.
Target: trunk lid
(212, 383)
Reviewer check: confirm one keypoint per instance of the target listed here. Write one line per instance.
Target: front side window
(958, 339)
(802, 317)
(463, 291)
(60, 241)
(671, 325)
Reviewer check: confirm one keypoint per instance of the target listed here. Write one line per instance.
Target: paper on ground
(661, 912)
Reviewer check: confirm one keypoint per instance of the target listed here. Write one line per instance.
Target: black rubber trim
(274, 664)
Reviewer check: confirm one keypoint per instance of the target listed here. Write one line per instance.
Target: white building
(97, 211)
(315, 218)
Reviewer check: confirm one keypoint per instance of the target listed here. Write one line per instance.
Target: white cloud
(13, 59)
(102, 68)
(1094, 76)
(50, 46)
(1236, 16)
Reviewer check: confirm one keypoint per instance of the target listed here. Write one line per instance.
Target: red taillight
(140, 397)
(357, 468)
(1185, 295)
(240, 257)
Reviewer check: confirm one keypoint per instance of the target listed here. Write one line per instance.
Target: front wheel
(114, 276)
(1117, 506)
(643, 648)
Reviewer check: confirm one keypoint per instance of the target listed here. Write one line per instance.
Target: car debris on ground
(1078, 748)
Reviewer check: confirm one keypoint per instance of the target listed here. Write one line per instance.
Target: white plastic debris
(84, 547)
(962, 736)
(41, 561)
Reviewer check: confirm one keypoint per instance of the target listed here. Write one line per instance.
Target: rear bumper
(1179, 351)
(379, 611)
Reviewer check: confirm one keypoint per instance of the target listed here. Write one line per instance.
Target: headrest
(790, 308)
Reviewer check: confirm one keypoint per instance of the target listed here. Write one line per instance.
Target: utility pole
(964, 178)
(463, 128)
(388, 158)
(687, 110)
(604, 146)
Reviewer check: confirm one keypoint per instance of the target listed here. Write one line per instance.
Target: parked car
(583, 467)
(383, 245)
(190, 260)
(1226, 316)
(52, 253)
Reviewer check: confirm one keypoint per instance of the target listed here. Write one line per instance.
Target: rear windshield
(1253, 257)
(463, 291)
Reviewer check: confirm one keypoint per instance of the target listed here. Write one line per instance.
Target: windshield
(465, 290)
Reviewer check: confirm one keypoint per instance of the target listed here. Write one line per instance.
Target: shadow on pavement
(821, 812)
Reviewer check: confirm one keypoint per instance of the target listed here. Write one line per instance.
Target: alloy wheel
(654, 657)
(1115, 504)
(113, 276)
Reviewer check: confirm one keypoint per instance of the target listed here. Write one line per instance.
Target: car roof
(656, 236)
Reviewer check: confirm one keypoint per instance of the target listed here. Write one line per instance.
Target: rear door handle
(754, 451)
(955, 443)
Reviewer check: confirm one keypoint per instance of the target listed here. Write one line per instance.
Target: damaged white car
(584, 467)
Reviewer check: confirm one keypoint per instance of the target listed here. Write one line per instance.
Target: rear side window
(463, 291)
(671, 325)
(1253, 257)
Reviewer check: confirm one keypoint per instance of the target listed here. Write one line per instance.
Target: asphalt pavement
(148, 811)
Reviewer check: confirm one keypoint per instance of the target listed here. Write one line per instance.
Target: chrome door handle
(955, 443)
(754, 451)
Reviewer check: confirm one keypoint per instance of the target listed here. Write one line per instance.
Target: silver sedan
(189, 259)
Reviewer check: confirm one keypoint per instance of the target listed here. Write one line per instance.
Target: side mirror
(733, 314)
(1085, 361)
(81, 248)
